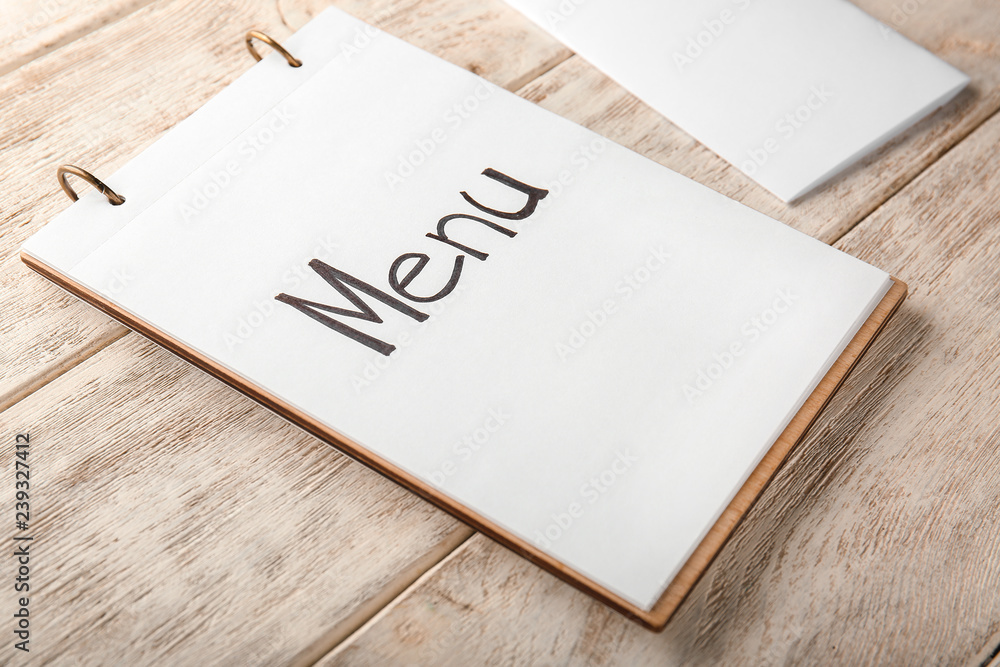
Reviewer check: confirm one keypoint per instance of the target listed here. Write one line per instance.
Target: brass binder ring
(67, 169)
(257, 34)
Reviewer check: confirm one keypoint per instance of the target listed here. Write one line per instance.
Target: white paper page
(600, 384)
(789, 91)
(192, 141)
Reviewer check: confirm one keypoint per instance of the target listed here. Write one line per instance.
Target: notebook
(791, 92)
(592, 359)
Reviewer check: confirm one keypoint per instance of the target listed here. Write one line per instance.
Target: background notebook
(789, 91)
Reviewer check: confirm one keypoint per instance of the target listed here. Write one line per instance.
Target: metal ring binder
(256, 34)
(65, 170)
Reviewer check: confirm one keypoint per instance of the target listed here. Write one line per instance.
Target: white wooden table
(177, 523)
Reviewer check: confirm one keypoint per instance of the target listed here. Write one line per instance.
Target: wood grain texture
(101, 100)
(32, 28)
(177, 523)
(965, 33)
(44, 332)
(877, 543)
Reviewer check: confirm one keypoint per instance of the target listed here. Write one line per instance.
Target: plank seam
(374, 607)
(70, 37)
(529, 78)
(875, 207)
(40, 380)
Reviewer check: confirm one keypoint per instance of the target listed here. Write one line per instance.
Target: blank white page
(789, 91)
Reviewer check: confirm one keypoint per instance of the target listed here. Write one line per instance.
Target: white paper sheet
(789, 91)
(601, 383)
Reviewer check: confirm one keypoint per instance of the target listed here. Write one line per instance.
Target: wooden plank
(877, 542)
(125, 89)
(965, 33)
(34, 28)
(175, 522)
(44, 332)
